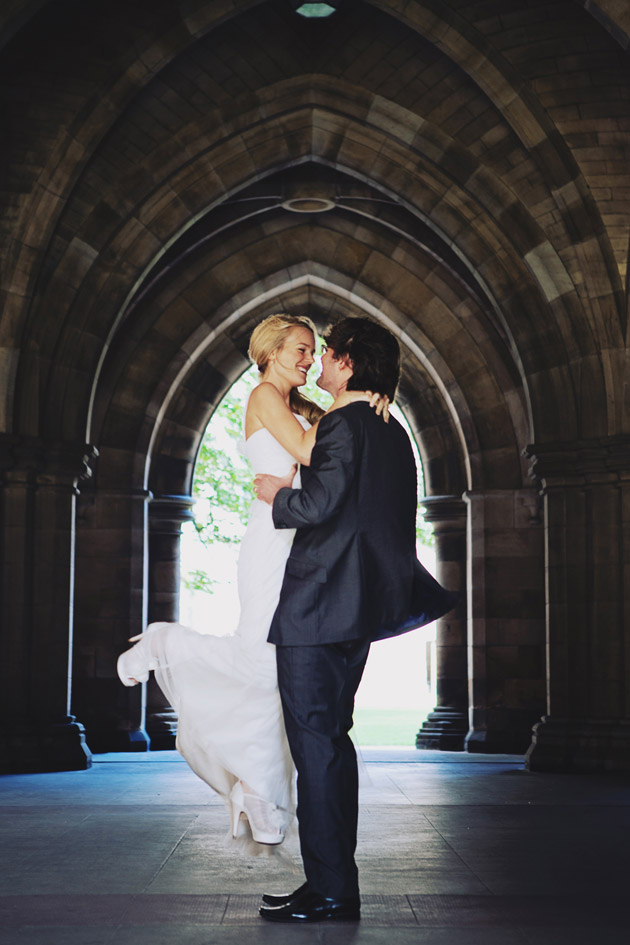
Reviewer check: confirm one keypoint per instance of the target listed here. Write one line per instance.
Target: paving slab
(452, 849)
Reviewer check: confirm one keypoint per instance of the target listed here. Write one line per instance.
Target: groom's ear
(347, 363)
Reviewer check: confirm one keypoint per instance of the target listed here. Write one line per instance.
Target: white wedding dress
(224, 688)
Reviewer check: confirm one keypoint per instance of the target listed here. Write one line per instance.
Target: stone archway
(153, 223)
(185, 391)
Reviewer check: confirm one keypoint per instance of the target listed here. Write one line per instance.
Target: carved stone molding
(561, 744)
(45, 462)
(162, 726)
(583, 462)
(444, 729)
(444, 508)
(167, 513)
(52, 746)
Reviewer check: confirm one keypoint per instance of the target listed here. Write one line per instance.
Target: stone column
(586, 490)
(167, 514)
(111, 607)
(38, 506)
(446, 726)
(506, 633)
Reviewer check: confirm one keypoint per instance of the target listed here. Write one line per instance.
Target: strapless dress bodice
(266, 455)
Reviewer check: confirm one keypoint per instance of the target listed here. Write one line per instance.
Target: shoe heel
(264, 819)
(236, 807)
(261, 815)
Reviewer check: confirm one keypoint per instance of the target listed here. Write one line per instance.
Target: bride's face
(296, 355)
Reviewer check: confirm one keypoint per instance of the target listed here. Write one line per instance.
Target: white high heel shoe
(133, 665)
(265, 819)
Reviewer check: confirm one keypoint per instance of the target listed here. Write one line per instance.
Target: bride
(224, 688)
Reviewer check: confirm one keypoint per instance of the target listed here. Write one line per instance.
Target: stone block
(451, 661)
(514, 601)
(516, 631)
(515, 573)
(513, 543)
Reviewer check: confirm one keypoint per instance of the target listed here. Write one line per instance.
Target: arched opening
(427, 237)
(398, 689)
(458, 174)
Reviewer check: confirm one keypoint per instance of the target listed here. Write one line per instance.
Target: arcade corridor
(457, 170)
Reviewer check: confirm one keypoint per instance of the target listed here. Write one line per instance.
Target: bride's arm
(267, 409)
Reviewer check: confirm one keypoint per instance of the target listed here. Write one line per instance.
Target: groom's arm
(331, 472)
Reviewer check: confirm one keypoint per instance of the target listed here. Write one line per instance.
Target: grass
(387, 726)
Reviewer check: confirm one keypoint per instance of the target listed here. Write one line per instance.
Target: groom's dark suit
(352, 577)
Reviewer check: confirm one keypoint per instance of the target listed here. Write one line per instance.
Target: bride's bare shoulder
(265, 401)
(264, 391)
(266, 397)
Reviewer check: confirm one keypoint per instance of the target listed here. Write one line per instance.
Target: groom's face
(336, 372)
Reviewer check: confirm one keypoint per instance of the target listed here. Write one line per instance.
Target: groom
(352, 577)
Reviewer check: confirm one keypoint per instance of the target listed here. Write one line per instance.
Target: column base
(138, 740)
(162, 729)
(495, 743)
(579, 745)
(103, 739)
(444, 730)
(54, 747)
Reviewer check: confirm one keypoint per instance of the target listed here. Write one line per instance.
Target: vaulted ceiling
(175, 170)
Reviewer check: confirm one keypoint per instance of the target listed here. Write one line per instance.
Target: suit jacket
(353, 572)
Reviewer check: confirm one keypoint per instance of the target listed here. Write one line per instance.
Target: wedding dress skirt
(224, 688)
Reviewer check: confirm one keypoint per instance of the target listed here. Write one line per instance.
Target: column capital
(45, 462)
(601, 461)
(144, 495)
(443, 508)
(170, 511)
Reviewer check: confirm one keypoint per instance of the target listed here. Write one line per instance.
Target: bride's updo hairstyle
(268, 337)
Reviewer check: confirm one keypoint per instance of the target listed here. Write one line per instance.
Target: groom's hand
(266, 486)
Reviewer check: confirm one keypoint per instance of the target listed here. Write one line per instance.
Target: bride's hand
(380, 403)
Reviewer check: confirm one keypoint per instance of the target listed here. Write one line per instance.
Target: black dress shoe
(284, 900)
(311, 907)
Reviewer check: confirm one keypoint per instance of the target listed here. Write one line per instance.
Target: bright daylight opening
(398, 687)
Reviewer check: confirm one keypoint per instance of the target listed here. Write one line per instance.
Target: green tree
(223, 477)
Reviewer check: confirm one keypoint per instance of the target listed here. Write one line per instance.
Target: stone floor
(454, 850)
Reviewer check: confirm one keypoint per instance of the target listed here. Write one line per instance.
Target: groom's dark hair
(373, 351)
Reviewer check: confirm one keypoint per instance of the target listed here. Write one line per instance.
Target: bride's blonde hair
(268, 337)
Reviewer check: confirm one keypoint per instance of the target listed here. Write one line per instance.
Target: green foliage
(223, 484)
(424, 531)
(198, 580)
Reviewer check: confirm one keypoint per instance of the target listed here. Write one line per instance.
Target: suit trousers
(317, 687)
